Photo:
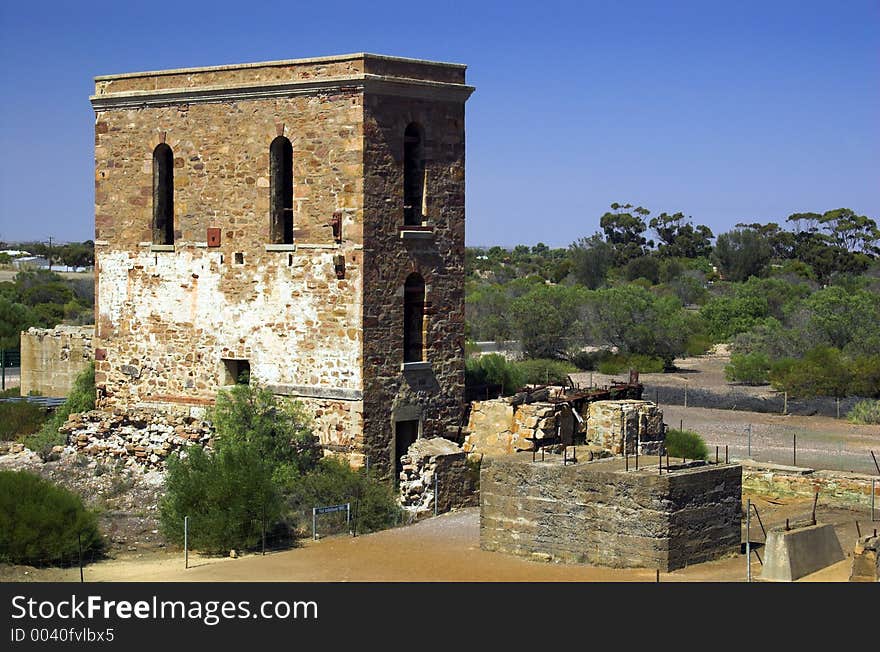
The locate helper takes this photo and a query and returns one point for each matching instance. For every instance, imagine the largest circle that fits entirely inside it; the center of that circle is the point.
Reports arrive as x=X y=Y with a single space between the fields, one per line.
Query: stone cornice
x=367 y=83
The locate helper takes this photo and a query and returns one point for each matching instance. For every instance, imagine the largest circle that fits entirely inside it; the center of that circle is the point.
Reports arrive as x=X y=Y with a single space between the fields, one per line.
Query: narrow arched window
x=413 y=318
x=413 y=174
x=163 y=195
x=281 y=191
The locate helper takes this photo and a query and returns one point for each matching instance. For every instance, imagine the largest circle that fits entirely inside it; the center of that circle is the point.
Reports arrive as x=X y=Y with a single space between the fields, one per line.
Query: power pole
x=50 y=253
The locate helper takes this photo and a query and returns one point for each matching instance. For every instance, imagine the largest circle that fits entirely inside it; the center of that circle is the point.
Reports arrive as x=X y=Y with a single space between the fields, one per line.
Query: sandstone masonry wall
x=599 y=514
x=319 y=320
x=435 y=394
x=52 y=358
x=836 y=488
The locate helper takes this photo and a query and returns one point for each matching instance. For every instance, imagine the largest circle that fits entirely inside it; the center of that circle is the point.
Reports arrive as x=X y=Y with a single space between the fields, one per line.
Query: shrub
x=228 y=496
x=333 y=482
x=621 y=363
x=542 y=371
x=686 y=444
x=748 y=368
x=80 y=399
x=590 y=360
x=698 y=344
x=279 y=430
x=494 y=369
x=40 y=521
x=19 y=419
x=867 y=412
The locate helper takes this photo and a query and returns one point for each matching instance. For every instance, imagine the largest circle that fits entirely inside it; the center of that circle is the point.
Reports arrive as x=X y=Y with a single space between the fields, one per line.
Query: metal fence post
x=314 y=524
x=348 y=517
x=79 y=541
x=185 y=542
x=436 y=491
x=748 y=540
x=3 y=367
x=873 y=492
x=750 y=441
x=794 y=451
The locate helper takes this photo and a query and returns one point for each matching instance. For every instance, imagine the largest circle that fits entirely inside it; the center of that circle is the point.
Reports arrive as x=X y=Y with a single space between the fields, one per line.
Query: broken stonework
x=144 y=438
x=439 y=458
x=499 y=427
x=639 y=423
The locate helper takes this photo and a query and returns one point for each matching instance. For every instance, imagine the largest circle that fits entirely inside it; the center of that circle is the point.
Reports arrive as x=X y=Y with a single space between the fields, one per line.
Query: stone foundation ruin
x=437 y=471
x=600 y=513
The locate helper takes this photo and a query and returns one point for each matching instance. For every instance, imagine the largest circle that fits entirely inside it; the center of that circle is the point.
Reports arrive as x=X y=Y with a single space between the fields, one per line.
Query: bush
x=698 y=345
x=40 y=521
x=590 y=360
x=686 y=444
x=622 y=363
x=748 y=368
x=541 y=371
x=80 y=399
x=333 y=482
x=867 y=412
x=19 y=419
x=228 y=496
x=279 y=430
x=494 y=369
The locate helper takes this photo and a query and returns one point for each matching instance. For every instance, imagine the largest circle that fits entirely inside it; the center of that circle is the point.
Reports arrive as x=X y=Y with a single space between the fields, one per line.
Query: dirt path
x=445 y=548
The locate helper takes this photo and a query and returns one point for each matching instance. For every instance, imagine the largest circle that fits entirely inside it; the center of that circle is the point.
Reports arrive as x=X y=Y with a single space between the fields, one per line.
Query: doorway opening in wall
x=405 y=433
x=236 y=372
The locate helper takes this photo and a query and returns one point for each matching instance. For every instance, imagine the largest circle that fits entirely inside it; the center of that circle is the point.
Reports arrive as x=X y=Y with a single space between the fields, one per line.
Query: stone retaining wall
x=600 y=514
x=836 y=488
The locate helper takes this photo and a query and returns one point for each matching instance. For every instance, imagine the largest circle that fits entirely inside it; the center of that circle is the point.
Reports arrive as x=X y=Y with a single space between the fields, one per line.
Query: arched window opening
x=281 y=191
x=163 y=195
x=413 y=174
x=413 y=319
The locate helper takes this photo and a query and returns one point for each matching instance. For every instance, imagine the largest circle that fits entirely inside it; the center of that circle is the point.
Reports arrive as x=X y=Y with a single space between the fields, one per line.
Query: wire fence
x=733 y=399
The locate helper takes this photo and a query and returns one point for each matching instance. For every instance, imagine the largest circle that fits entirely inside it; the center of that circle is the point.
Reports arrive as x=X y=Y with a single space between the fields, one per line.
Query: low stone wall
x=144 y=438
x=52 y=358
x=598 y=513
x=498 y=427
x=456 y=482
x=836 y=488
x=640 y=423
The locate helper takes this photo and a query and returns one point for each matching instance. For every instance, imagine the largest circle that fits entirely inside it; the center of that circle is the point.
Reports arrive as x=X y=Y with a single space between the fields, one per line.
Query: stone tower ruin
x=296 y=224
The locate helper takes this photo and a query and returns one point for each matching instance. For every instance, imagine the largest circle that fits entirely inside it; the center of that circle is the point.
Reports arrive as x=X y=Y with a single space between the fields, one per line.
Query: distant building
x=31 y=262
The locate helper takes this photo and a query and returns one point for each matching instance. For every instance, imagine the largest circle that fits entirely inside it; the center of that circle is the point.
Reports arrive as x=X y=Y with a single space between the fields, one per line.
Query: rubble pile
x=443 y=460
x=144 y=438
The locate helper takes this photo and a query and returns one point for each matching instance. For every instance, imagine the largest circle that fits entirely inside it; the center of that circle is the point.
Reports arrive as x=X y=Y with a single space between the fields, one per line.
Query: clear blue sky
x=727 y=111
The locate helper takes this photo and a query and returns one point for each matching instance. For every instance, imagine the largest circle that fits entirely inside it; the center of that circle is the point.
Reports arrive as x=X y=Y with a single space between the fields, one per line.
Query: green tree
x=278 y=430
x=591 y=258
x=624 y=227
x=543 y=320
x=748 y=368
x=229 y=497
x=679 y=238
x=636 y=321
x=728 y=315
x=741 y=253
x=823 y=371
x=14 y=318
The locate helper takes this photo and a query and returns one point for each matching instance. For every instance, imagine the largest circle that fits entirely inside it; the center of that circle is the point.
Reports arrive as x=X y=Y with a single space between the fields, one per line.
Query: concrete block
x=866 y=560
x=792 y=554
